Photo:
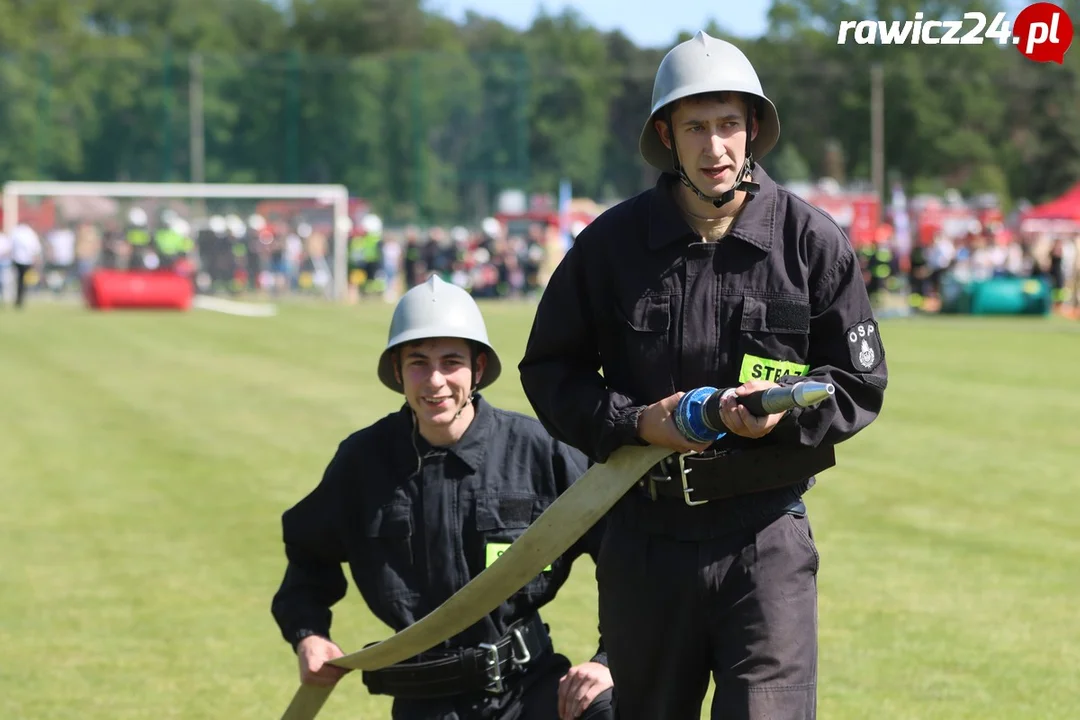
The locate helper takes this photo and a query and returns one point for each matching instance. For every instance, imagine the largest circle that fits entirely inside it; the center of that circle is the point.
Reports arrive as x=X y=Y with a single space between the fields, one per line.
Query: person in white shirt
x=25 y=251
x=5 y=264
x=59 y=257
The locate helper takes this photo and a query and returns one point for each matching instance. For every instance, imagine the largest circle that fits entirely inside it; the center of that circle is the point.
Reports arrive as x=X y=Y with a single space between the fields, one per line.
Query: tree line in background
x=429 y=118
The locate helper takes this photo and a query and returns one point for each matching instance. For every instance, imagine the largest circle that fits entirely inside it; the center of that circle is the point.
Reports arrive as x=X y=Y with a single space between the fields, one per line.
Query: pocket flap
x=651 y=313
x=503 y=511
x=777 y=315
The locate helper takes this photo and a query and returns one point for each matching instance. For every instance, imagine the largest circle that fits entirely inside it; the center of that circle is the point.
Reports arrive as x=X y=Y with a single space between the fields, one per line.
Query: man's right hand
x=313 y=654
x=656 y=426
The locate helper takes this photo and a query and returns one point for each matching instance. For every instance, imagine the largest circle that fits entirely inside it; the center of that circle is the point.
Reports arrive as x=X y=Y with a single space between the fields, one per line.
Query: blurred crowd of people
x=292 y=253
x=273 y=255
x=487 y=261
x=977 y=255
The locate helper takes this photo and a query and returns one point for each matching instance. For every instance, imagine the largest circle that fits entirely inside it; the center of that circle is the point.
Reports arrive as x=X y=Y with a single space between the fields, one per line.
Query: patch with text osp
x=864 y=343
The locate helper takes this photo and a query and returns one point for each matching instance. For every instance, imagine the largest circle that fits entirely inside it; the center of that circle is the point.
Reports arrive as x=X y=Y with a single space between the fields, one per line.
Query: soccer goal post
x=283 y=239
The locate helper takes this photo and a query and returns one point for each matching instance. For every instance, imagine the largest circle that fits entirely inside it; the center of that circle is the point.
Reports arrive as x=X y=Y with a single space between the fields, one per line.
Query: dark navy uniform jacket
x=414 y=523
x=640 y=308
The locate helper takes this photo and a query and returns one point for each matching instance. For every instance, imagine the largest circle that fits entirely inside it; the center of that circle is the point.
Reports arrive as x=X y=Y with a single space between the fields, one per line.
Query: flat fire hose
x=562 y=524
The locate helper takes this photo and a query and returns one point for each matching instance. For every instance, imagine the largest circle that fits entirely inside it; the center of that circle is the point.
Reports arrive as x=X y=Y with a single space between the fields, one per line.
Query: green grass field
x=145 y=460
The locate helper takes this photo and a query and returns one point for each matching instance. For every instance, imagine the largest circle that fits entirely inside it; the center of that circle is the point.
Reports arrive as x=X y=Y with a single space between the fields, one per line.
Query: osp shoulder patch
x=864 y=343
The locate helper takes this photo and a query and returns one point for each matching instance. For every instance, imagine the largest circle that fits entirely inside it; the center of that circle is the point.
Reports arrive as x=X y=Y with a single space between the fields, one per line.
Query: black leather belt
x=697 y=479
x=483 y=668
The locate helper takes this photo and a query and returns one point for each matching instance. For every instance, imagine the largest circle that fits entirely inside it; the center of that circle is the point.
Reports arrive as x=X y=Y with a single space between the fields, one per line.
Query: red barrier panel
x=113 y=289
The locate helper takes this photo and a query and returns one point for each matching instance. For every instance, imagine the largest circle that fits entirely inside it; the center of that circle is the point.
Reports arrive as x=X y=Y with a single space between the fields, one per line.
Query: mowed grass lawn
x=145 y=460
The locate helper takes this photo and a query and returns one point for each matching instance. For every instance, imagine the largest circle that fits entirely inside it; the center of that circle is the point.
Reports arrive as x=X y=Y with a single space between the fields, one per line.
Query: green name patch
x=759 y=368
x=494 y=550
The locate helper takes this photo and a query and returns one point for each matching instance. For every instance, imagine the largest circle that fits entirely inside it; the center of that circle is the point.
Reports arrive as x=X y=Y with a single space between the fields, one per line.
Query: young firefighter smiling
x=712 y=277
x=420 y=503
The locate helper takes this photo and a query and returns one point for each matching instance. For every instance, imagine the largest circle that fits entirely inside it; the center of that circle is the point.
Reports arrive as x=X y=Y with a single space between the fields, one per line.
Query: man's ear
x=395 y=362
x=479 y=366
x=755 y=106
x=663 y=131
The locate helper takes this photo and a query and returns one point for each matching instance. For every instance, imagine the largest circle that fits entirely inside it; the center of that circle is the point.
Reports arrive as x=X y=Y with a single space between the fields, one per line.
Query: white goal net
x=232 y=240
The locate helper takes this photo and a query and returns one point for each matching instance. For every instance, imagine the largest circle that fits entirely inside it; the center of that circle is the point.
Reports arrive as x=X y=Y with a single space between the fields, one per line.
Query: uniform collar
x=470 y=448
x=755 y=224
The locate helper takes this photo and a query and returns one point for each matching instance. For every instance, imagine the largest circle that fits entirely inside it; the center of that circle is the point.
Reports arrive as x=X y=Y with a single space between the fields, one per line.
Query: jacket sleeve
x=314 y=579
x=846 y=350
x=560 y=370
x=569 y=465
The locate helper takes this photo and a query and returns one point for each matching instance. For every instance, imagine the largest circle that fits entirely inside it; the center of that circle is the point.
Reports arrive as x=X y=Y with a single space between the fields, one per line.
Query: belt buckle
x=491 y=669
x=687 y=490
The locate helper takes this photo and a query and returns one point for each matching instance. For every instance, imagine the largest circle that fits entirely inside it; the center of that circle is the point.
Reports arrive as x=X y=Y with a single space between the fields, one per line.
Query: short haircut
x=747 y=101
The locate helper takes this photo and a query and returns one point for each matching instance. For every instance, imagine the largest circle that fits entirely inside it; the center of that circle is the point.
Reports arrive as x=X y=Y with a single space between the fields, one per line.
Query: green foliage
x=789 y=165
x=430 y=119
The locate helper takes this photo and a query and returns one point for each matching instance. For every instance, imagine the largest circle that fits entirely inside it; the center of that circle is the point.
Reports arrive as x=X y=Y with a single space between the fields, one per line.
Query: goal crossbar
x=338 y=195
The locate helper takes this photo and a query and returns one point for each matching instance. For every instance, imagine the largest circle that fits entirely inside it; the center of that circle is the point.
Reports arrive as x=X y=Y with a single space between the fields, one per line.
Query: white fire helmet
x=491 y=227
x=372 y=224
x=236 y=226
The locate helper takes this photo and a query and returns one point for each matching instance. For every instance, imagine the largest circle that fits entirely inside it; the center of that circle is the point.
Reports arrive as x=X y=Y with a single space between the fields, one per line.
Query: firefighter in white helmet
x=365 y=257
x=138 y=239
x=716 y=278
x=420 y=503
x=372 y=224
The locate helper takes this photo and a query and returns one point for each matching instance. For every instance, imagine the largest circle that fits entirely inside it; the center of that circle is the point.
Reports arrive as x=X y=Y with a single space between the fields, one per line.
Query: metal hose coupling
x=698 y=415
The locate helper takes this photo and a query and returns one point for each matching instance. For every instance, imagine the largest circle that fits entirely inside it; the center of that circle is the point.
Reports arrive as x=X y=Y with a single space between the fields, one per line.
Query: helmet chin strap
x=475 y=381
x=468 y=401
x=743 y=180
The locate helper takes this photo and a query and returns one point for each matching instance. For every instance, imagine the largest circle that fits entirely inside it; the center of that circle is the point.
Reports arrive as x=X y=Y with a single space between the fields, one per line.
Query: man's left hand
x=579 y=687
x=739 y=420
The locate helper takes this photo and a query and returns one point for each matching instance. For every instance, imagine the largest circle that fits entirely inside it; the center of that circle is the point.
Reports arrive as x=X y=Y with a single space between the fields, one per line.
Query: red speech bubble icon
x=1043 y=32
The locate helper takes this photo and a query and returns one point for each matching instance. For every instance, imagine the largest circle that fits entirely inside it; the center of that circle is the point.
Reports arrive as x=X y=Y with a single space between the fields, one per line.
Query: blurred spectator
x=1056 y=271
x=59 y=258
x=5 y=264
x=88 y=248
x=25 y=253
x=391 y=265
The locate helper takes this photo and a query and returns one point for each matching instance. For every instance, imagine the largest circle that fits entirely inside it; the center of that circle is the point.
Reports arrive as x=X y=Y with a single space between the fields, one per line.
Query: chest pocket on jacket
x=774 y=338
x=388 y=557
x=645 y=332
x=500 y=520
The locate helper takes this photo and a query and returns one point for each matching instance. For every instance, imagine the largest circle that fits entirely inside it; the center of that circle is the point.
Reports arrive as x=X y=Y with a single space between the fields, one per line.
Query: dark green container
x=996 y=296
